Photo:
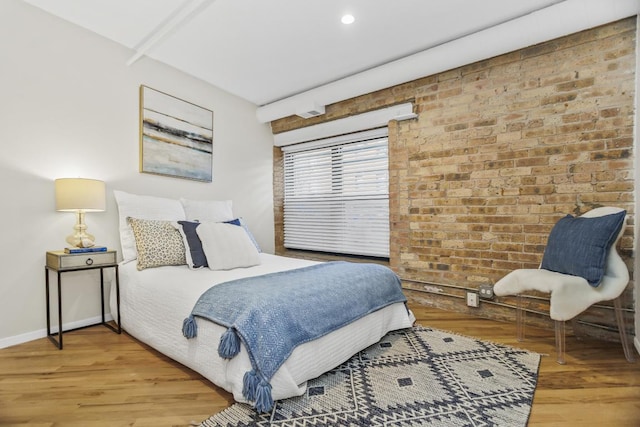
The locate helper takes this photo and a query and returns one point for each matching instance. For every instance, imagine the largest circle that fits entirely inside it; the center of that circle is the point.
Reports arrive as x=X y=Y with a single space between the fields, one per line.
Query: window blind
x=336 y=194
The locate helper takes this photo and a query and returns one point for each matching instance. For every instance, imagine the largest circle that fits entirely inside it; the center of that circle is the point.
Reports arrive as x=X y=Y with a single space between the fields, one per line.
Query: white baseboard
x=636 y=344
x=42 y=333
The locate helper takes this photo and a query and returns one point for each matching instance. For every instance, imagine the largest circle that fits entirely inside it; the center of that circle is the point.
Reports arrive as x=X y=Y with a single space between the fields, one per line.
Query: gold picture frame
x=176 y=137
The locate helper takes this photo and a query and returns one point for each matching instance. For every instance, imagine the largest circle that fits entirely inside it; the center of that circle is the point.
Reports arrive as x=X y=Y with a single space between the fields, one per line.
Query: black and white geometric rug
x=412 y=377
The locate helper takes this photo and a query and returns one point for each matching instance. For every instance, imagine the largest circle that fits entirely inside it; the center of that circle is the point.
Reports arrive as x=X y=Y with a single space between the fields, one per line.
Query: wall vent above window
x=308 y=111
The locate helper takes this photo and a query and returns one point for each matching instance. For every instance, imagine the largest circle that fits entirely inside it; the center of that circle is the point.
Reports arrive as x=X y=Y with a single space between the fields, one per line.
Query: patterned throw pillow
x=158 y=243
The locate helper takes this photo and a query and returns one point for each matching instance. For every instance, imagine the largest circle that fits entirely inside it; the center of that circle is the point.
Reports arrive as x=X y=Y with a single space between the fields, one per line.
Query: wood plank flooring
x=105 y=379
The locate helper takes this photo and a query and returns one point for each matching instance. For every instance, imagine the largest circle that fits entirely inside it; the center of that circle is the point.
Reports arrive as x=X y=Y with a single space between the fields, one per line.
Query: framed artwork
x=176 y=137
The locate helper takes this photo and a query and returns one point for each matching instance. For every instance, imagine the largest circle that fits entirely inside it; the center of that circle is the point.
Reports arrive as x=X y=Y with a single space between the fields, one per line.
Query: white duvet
x=155 y=301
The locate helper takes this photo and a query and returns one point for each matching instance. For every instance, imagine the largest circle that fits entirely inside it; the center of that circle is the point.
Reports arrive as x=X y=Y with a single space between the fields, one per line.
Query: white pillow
x=142 y=207
x=227 y=246
x=207 y=210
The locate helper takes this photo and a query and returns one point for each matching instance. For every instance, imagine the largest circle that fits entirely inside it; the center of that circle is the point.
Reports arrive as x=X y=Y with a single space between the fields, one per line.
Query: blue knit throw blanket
x=274 y=313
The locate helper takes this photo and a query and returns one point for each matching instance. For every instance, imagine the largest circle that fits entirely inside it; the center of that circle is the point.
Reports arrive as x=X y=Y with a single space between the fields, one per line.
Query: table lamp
x=80 y=195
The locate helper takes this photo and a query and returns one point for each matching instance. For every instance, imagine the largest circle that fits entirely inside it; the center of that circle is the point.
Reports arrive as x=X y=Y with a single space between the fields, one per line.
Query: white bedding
x=154 y=302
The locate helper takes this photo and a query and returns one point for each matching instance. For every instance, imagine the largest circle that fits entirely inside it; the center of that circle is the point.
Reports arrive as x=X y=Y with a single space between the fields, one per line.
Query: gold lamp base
x=80 y=238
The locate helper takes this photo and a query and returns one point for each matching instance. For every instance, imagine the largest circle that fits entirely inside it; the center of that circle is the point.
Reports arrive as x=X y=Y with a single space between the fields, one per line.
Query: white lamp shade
x=80 y=194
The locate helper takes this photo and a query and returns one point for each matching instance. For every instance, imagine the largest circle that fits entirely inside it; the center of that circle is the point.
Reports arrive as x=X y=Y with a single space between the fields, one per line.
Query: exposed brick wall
x=502 y=149
x=278 y=200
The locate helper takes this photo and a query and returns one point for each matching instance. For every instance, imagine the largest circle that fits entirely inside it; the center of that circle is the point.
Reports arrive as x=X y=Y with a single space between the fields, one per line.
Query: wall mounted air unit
x=310 y=110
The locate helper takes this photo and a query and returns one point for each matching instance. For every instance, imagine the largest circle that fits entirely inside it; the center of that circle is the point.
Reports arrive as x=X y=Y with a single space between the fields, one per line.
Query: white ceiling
x=267 y=51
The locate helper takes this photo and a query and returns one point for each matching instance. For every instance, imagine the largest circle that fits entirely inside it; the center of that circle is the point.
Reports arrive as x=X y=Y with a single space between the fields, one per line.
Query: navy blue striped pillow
x=198 y=257
x=579 y=246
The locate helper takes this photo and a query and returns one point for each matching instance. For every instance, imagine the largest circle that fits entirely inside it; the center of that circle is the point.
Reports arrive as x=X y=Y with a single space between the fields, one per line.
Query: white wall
x=69 y=107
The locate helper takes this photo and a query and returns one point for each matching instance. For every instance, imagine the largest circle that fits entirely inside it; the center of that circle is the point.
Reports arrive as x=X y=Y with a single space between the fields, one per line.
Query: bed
x=154 y=302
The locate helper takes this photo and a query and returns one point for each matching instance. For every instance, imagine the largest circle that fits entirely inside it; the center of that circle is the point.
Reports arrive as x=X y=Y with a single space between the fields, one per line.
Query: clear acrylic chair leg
x=626 y=346
x=577 y=328
x=520 y=318
x=560 y=341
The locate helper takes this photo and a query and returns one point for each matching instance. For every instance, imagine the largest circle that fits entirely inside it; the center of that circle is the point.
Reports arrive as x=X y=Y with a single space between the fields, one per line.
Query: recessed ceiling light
x=348 y=19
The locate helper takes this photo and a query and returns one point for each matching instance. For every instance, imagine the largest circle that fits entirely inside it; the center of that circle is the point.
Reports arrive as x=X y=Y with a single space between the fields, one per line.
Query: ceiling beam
x=179 y=17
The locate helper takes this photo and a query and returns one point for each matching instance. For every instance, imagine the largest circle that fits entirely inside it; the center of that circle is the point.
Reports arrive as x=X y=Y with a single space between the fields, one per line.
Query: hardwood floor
x=105 y=379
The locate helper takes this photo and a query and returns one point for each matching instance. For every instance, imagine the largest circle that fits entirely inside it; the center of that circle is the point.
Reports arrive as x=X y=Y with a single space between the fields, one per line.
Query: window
x=336 y=195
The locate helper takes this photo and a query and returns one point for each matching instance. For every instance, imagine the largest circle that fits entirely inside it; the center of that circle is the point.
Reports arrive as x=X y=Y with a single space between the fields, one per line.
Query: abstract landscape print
x=176 y=137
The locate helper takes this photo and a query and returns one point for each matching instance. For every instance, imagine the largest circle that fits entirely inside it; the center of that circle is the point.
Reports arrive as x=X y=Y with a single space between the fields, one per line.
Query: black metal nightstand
x=62 y=262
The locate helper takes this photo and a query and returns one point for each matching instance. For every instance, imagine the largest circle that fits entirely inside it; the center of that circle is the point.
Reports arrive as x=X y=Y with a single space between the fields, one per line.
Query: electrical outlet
x=472 y=299
x=486 y=291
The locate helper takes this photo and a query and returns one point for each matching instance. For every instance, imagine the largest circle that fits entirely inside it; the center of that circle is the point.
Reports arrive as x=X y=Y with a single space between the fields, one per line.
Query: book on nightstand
x=85 y=250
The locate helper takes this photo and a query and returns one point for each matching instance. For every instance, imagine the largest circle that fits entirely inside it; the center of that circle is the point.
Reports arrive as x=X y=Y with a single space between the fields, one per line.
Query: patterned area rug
x=412 y=377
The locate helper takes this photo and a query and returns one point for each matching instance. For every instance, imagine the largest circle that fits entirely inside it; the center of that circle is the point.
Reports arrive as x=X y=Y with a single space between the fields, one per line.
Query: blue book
x=85 y=250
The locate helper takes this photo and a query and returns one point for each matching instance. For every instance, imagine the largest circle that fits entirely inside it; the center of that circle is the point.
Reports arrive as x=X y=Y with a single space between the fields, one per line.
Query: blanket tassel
x=190 y=327
x=264 y=401
x=229 y=344
x=250 y=383
x=256 y=390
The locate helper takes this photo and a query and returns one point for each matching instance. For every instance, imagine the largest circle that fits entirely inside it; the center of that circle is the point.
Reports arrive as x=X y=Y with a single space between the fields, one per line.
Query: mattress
x=155 y=301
